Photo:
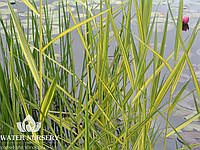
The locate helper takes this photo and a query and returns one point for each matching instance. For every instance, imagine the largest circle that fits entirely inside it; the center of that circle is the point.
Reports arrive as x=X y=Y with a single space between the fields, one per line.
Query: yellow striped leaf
x=24 y=46
x=47 y=100
x=28 y=4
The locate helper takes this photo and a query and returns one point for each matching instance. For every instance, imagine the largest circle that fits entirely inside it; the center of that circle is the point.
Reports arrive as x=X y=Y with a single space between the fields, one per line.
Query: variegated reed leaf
x=24 y=46
x=28 y=4
x=122 y=48
x=187 y=58
x=177 y=68
x=179 y=30
x=183 y=125
x=47 y=100
x=17 y=85
x=73 y=28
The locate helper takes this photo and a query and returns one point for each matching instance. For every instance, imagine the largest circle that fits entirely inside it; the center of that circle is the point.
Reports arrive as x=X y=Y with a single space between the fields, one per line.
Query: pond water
x=191 y=9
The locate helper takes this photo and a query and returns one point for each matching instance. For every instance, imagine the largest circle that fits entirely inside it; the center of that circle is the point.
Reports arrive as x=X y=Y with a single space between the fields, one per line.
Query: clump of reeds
x=105 y=105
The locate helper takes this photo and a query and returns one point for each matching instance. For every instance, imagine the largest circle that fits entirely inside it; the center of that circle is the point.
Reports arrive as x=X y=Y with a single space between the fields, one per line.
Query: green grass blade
x=186 y=55
x=28 y=4
x=24 y=46
x=17 y=85
x=177 y=68
x=47 y=100
x=160 y=57
x=178 y=30
x=185 y=124
x=122 y=48
x=177 y=98
x=73 y=28
x=147 y=83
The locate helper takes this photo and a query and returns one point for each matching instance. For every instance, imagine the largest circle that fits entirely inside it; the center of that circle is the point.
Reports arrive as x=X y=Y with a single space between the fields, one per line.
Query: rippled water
x=191 y=9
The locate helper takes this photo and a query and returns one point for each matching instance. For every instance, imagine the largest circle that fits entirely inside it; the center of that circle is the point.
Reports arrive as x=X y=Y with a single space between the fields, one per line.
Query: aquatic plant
x=109 y=103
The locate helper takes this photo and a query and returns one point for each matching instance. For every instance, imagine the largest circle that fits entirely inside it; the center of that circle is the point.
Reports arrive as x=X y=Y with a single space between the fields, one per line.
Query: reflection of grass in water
x=110 y=105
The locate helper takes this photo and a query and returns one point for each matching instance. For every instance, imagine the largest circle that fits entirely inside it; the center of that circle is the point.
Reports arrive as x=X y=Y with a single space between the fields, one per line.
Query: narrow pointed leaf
x=28 y=4
x=24 y=46
x=47 y=100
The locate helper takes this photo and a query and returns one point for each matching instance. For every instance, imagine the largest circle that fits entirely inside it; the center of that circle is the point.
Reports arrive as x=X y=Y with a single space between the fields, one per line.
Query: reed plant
x=108 y=104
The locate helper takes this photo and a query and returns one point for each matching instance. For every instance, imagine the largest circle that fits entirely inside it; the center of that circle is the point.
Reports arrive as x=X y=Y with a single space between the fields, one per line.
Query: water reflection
x=191 y=9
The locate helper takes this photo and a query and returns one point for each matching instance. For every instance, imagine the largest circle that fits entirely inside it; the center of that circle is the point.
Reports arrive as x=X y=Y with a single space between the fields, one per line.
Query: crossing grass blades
x=106 y=105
